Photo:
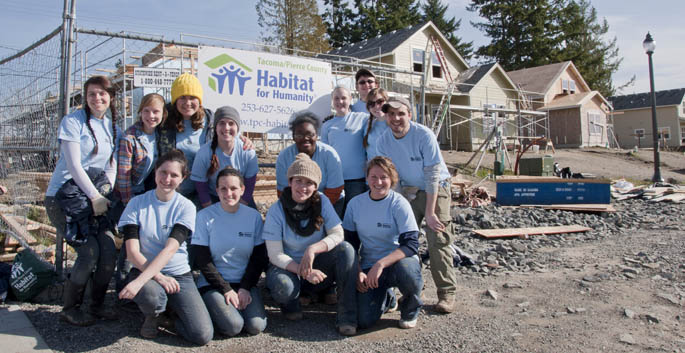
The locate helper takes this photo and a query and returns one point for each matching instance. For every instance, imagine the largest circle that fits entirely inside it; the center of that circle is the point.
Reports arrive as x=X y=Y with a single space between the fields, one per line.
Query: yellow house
x=577 y=114
x=633 y=118
x=479 y=88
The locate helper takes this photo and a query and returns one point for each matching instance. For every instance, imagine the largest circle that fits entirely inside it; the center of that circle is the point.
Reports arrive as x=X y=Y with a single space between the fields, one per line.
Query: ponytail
x=214 y=164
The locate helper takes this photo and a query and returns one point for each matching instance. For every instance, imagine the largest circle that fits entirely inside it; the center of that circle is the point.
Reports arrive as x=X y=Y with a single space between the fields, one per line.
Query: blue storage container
x=513 y=191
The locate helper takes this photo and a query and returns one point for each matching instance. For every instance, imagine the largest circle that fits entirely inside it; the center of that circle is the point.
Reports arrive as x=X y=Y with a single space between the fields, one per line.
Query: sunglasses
x=378 y=102
x=370 y=82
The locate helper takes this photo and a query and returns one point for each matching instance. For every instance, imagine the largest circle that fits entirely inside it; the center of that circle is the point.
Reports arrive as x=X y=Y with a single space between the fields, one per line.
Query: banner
x=265 y=88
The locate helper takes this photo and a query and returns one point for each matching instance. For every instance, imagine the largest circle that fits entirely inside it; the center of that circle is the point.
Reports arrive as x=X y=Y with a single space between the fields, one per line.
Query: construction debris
x=623 y=190
x=524 y=232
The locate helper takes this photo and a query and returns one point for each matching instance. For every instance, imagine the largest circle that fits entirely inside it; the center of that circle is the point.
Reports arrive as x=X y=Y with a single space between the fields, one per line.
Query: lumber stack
x=21 y=232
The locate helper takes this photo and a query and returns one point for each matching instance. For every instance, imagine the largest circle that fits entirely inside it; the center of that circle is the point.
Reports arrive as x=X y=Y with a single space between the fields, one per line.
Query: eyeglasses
x=370 y=82
x=304 y=136
x=378 y=102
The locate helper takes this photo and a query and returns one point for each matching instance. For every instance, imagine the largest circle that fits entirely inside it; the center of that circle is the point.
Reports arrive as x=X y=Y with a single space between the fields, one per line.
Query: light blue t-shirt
x=359 y=106
x=324 y=156
x=73 y=128
x=230 y=237
x=379 y=224
x=346 y=135
x=378 y=128
x=189 y=141
x=294 y=245
x=149 y=142
x=417 y=149
x=156 y=219
x=244 y=161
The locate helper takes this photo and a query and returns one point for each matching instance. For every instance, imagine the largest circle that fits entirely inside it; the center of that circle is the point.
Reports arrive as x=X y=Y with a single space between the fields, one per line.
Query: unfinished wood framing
x=518 y=232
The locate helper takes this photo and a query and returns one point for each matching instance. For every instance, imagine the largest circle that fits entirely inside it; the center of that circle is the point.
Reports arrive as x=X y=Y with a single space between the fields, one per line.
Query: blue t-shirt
x=359 y=106
x=294 y=245
x=346 y=135
x=156 y=219
x=189 y=141
x=73 y=128
x=417 y=149
x=324 y=156
x=230 y=237
x=379 y=224
x=378 y=128
x=244 y=161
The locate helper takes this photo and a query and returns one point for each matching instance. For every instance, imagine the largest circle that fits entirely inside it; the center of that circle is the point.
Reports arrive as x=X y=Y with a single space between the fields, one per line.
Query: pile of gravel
x=496 y=256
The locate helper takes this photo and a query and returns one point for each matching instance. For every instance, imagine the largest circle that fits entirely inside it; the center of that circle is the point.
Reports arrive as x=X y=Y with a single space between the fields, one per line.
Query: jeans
x=339 y=266
x=98 y=253
x=194 y=322
x=352 y=189
x=123 y=268
x=230 y=321
x=405 y=275
x=439 y=243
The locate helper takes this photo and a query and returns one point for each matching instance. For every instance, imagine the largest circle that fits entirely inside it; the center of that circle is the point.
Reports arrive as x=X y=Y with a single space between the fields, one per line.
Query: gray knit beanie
x=303 y=166
x=226 y=112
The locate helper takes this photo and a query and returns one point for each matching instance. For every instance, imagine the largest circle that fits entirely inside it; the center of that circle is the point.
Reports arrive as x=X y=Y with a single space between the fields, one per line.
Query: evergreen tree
x=293 y=24
x=340 y=21
x=523 y=33
x=434 y=10
x=582 y=42
x=376 y=17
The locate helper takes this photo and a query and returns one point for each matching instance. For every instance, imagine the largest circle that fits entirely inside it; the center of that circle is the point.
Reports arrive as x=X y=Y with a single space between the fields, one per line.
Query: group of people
x=345 y=224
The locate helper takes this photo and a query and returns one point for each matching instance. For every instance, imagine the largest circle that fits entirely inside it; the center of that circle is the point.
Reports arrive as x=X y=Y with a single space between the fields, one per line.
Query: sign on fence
x=154 y=77
x=265 y=88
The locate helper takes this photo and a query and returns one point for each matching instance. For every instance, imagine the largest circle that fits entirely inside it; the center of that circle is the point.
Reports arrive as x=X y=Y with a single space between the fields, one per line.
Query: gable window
x=568 y=86
x=665 y=133
x=417 y=56
x=435 y=65
x=594 y=123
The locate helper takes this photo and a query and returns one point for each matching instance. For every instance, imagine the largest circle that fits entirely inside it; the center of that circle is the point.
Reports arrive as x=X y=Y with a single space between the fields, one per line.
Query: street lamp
x=649 y=46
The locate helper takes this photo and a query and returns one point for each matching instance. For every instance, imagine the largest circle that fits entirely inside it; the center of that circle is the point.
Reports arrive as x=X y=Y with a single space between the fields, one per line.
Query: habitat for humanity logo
x=227 y=70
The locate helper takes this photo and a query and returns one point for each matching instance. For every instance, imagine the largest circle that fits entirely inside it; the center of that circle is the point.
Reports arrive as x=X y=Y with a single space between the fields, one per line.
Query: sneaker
x=294 y=316
x=103 y=312
x=149 y=328
x=406 y=324
x=446 y=305
x=347 y=330
x=76 y=317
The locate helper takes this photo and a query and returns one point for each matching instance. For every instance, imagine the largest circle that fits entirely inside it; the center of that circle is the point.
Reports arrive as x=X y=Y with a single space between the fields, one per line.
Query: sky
x=23 y=22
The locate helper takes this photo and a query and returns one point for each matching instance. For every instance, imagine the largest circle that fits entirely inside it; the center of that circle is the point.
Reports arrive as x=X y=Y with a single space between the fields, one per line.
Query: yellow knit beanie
x=186 y=85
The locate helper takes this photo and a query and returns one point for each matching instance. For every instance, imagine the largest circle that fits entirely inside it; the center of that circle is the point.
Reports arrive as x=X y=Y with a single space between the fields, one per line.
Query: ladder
x=444 y=107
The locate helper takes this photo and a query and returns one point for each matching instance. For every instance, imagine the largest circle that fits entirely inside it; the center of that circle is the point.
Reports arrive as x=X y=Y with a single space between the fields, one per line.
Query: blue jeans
x=405 y=275
x=230 y=321
x=194 y=323
x=352 y=189
x=339 y=266
x=95 y=259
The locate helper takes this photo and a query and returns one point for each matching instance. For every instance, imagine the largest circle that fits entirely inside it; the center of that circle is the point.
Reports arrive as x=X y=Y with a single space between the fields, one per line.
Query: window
x=488 y=119
x=572 y=86
x=639 y=133
x=417 y=56
x=665 y=133
x=595 y=125
x=568 y=86
x=435 y=65
x=682 y=135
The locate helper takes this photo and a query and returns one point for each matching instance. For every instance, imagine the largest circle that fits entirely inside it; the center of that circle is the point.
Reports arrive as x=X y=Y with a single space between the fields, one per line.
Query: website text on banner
x=265 y=88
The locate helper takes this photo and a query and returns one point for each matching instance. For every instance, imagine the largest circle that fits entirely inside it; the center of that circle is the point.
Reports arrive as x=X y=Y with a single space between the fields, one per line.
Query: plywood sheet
x=517 y=232
x=575 y=207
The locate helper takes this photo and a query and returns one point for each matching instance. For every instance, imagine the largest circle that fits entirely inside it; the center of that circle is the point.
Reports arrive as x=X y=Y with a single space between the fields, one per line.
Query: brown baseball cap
x=396 y=102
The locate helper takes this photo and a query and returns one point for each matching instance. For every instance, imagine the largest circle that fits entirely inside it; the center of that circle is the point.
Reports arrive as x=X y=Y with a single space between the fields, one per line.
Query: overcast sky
x=25 y=21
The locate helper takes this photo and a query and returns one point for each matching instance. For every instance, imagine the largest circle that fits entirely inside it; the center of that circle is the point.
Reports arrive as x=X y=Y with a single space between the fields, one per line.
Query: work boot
x=446 y=303
x=71 y=312
x=103 y=312
x=149 y=328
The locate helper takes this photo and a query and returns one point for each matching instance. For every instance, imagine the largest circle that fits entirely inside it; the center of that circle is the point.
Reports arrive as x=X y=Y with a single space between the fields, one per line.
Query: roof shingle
x=643 y=100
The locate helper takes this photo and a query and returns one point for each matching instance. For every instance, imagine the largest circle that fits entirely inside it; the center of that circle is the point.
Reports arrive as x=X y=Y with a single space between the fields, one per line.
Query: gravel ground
x=617 y=288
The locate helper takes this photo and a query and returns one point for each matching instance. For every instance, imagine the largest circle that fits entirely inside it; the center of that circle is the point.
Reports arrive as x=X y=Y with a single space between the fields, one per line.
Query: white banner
x=265 y=88
x=154 y=77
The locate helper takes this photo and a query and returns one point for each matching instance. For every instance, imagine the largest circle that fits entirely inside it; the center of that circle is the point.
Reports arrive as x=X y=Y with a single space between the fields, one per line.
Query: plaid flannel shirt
x=131 y=161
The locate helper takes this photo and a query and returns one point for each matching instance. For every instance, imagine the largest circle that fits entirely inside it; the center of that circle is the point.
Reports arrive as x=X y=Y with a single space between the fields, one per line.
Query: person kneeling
x=231 y=255
x=304 y=239
x=382 y=222
x=156 y=225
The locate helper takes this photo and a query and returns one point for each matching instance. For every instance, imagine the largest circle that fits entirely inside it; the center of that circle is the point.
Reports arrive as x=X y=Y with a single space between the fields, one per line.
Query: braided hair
x=214 y=164
x=106 y=84
x=375 y=92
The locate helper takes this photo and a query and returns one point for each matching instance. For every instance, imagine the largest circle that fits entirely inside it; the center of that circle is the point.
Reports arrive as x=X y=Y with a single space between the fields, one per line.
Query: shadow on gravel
x=679 y=171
